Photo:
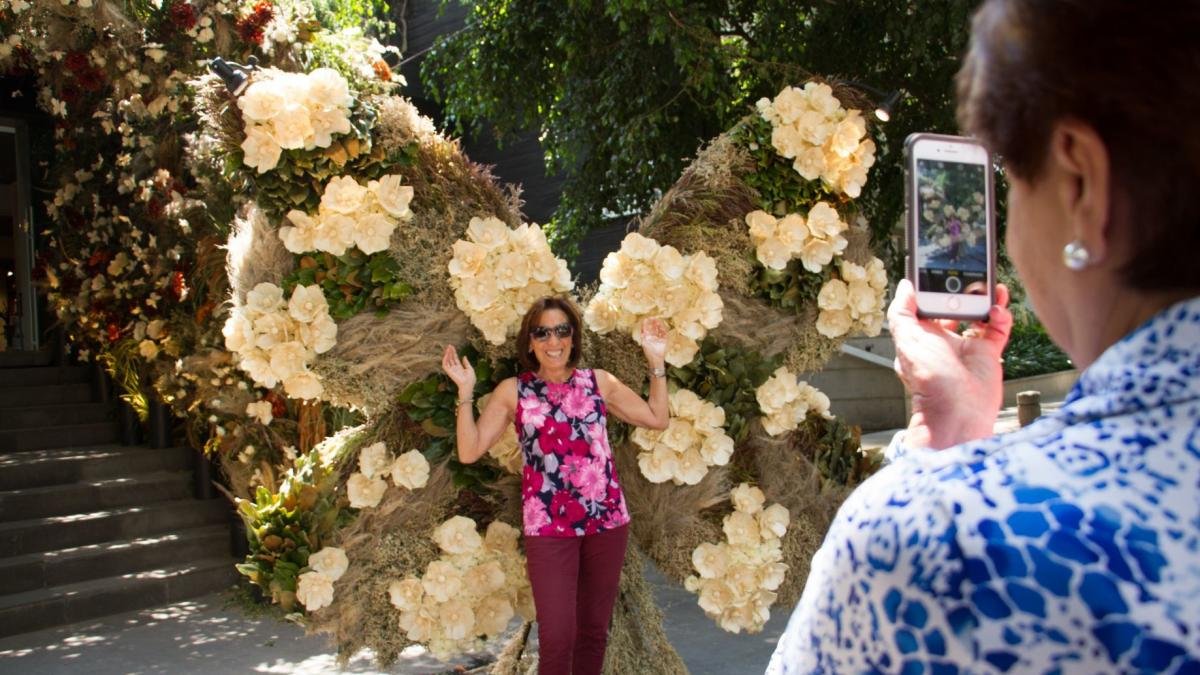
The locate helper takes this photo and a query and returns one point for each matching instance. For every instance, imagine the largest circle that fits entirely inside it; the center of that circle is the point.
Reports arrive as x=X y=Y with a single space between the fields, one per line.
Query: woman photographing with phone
x=1073 y=544
x=575 y=518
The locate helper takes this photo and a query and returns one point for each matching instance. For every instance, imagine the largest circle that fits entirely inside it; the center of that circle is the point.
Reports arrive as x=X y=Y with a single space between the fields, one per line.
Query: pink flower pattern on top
x=569 y=483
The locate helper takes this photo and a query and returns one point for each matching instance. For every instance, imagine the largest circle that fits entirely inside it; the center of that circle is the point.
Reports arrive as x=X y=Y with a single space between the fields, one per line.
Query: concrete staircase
x=89 y=527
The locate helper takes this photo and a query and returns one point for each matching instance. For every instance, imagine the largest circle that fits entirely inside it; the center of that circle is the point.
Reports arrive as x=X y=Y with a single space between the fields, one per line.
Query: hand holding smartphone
x=950 y=226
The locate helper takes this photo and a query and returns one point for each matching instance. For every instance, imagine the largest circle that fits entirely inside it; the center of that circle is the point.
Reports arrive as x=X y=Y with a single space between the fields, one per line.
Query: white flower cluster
x=645 y=279
x=315 y=589
x=291 y=111
x=853 y=302
x=785 y=402
x=277 y=340
x=693 y=441
x=473 y=590
x=824 y=140
x=147 y=333
x=497 y=273
x=366 y=486
x=738 y=577
x=350 y=215
x=815 y=240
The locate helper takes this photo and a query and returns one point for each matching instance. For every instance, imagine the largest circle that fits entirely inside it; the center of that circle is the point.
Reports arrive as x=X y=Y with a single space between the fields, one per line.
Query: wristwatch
x=658 y=372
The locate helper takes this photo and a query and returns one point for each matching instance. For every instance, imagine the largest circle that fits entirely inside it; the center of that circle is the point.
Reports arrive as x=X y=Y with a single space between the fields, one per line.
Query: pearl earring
x=1076 y=256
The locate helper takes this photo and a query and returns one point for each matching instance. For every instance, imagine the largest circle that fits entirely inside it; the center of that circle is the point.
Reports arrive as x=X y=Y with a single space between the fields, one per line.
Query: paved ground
x=210 y=635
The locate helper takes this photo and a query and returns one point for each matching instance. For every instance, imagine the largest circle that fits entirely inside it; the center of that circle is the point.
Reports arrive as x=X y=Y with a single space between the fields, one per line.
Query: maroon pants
x=574 y=583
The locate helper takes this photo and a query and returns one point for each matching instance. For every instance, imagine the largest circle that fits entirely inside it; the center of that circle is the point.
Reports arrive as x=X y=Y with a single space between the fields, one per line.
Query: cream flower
x=365 y=492
x=303 y=386
x=442 y=581
x=715 y=596
x=601 y=316
x=288 y=359
x=393 y=196
x=717 y=449
x=322 y=334
x=374 y=460
x=456 y=619
x=418 y=626
x=467 y=260
x=834 y=323
x=669 y=262
x=292 y=127
x=265 y=297
x=148 y=349
x=512 y=270
x=260 y=410
x=835 y=294
x=680 y=349
x=773 y=253
x=747 y=498
x=314 y=591
x=330 y=561
x=638 y=247
x=501 y=538
x=410 y=470
x=773 y=522
x=457 y=535
x=260 y=150
x=272 y=329
x=328 y=89
x=343 y=195
x=484 y=578
x=691 y=467
x=262 y=100
x=660 y=465
x=490 y=233
x=741 y=529
x=710 y=560
x=307 y=304
x=406 y=595
x=492 y=615
x=373 y=232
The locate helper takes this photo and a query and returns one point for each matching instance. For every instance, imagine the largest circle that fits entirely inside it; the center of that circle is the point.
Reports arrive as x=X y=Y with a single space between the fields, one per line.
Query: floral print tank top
x=569 y=484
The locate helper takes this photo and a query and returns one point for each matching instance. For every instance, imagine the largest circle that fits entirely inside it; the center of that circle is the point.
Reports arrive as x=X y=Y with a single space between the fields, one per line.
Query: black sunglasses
x=562 y=330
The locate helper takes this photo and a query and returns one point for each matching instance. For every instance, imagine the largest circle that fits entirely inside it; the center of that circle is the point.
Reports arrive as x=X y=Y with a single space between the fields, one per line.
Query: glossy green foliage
x=727 y=377
x=352 y=282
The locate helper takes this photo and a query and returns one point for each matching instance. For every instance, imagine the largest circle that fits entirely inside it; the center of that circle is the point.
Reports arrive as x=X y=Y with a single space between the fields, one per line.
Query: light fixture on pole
x=235 y=76
x=885 y=103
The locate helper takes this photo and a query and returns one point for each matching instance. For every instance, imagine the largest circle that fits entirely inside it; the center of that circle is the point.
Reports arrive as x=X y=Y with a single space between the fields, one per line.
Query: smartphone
x=950 y=226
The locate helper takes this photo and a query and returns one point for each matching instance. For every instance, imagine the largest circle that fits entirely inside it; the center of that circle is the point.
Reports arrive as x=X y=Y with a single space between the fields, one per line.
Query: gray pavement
x=212 y=635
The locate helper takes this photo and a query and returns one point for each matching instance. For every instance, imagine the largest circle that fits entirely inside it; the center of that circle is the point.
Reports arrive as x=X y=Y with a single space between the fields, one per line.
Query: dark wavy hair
x=1126 y=69
x=534 y=315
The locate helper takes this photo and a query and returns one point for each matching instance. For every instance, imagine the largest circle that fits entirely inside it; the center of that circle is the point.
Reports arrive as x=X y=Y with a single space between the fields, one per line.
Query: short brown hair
x=1126 y=69
x=534 y=315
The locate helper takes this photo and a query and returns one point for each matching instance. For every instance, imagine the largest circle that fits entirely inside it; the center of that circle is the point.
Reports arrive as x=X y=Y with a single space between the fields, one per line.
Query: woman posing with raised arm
x=575 y=515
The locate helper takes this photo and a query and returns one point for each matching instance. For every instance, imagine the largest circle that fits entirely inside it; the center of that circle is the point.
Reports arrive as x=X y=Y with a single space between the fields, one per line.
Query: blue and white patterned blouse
x=1072 y=545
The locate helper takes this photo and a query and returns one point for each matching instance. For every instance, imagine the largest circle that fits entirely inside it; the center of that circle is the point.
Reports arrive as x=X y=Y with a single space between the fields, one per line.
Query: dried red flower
x=183 y=16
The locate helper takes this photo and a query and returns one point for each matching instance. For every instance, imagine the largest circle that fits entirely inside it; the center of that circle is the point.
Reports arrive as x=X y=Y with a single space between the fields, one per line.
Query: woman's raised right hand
x=459 y=371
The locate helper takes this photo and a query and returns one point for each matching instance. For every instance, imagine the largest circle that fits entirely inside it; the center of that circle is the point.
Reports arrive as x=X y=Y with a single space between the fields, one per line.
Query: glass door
x=18 y=308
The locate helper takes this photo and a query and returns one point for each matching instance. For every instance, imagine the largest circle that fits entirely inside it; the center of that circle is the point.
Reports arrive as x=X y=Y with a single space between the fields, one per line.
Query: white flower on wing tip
x=314 y=591
x=330 y=561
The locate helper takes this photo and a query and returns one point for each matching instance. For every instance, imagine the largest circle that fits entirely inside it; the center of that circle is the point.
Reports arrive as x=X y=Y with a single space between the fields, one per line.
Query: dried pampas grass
x=255 y=253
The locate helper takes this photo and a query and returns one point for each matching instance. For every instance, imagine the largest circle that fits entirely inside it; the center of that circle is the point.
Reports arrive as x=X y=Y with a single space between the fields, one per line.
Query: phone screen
x=952 y=222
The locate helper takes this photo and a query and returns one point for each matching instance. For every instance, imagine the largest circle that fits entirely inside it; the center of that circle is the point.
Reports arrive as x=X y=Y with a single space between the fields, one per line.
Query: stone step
x=41 y=438
x=56 y=415
x=51 y=394
x=33 y=610
x=86 y=496
x=33 y=571
x=38 y=468
x=16 y=359
x=43 y=375
x=126 y=522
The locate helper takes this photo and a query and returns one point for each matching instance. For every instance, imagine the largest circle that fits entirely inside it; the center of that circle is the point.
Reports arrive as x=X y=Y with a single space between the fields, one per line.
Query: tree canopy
x=623 y=92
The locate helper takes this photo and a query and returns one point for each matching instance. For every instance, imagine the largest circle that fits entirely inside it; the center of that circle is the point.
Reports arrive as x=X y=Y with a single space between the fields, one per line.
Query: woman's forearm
x=466 y=431
x=658 y=401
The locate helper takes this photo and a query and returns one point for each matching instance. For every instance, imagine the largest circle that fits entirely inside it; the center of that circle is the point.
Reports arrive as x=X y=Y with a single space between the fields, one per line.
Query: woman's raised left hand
x=654 y=341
